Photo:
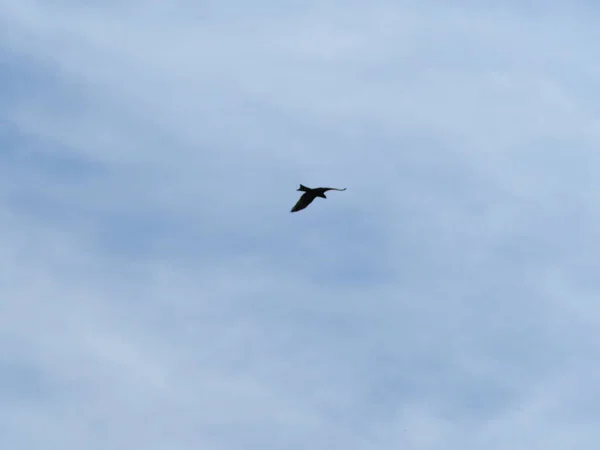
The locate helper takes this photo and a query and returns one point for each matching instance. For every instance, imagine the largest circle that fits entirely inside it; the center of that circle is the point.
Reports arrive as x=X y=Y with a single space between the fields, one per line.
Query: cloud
x=156 y=292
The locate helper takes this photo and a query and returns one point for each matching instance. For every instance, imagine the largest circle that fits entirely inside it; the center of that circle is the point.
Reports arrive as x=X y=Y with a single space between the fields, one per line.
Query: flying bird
x=310 y=194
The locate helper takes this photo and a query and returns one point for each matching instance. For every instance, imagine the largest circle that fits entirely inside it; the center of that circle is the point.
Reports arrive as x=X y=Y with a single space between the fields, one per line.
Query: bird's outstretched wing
x=333 y=189
x=305 y=200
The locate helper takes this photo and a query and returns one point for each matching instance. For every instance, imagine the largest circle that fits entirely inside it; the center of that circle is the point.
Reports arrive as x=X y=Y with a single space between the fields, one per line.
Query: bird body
x=310 y=194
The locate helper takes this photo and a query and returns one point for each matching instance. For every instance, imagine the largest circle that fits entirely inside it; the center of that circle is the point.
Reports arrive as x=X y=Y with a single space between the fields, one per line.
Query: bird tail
x=303 y=188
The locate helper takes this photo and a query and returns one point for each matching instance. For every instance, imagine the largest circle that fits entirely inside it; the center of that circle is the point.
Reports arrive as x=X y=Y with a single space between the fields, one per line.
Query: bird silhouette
x=310 y=194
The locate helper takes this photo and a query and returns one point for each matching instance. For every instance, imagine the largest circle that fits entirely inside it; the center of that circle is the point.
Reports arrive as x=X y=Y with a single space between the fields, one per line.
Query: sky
x=157 y=293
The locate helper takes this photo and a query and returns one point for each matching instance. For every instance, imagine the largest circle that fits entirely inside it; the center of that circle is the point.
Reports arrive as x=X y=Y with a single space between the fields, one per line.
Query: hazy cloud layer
x=156 y=293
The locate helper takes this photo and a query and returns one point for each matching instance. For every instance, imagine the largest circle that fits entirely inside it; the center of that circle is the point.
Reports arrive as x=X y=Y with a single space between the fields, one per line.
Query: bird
x=310 y=194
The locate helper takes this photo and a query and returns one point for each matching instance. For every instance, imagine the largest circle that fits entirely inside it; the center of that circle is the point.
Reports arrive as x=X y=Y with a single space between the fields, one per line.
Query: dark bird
x=310 y=194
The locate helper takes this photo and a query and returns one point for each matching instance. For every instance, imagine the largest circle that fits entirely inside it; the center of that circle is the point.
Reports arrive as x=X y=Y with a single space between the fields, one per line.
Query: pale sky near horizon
x=156 y=293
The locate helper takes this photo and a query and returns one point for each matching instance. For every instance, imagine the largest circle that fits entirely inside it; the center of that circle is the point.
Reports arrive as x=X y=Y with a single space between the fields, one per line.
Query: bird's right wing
x=303 y=202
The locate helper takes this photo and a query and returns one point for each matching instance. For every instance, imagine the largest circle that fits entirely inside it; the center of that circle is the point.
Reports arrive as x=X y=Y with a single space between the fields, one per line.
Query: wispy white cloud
x=156 y=292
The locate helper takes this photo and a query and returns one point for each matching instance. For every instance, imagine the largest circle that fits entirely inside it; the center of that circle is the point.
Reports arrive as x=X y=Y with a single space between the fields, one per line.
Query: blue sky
x=156 y=293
